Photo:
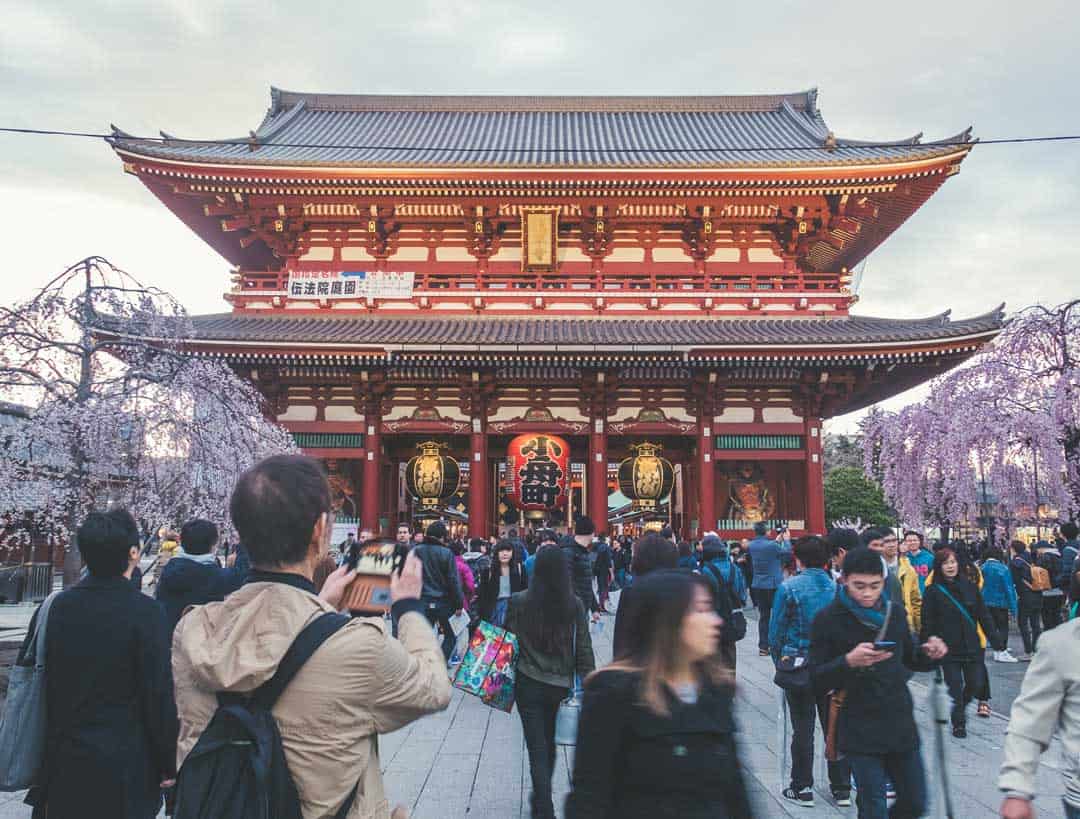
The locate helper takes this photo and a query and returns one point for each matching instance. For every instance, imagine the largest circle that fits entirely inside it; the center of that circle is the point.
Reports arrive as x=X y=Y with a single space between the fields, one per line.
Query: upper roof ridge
x=281 y=100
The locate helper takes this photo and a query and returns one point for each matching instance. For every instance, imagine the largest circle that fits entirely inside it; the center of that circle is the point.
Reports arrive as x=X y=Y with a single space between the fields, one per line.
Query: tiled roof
x=514 y=334
x=540 y=132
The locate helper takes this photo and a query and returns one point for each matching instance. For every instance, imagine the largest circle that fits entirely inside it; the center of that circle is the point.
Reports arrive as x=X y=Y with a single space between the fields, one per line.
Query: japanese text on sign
x=333 y=284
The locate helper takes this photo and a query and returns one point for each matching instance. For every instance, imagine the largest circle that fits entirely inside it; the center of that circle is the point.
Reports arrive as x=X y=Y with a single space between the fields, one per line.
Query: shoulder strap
x=306 y=643
x=954 y=601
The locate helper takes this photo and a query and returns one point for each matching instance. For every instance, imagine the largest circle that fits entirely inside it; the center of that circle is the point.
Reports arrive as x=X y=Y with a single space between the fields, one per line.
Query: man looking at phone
x=359 y=683
x=860 y=645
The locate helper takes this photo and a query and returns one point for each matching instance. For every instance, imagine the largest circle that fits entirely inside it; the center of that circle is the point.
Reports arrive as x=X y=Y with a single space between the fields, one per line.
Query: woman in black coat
x=111 y=726
x=656 y=736
x=953 y=609
x=505 y=577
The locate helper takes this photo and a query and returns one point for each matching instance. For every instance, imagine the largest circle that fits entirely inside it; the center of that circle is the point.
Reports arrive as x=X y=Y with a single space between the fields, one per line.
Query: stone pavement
x=470 y=760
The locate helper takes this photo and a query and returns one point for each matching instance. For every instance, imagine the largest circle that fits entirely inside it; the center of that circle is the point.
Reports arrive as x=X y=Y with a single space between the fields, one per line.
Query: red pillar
x=706 y=480
x=478 y=491
x=597 y=476
x=371 y=503
x=815 y=476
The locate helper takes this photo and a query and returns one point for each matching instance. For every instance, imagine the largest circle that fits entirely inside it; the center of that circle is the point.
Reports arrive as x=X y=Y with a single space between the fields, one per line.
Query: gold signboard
x=539 y=240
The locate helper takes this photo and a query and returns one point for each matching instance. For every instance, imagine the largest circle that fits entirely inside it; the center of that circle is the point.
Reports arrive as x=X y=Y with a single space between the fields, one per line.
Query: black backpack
x=237 y=769
x=727 y=604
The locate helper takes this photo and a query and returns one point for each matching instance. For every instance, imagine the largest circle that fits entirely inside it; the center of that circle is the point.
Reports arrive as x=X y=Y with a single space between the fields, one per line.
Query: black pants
x=1001 y=623
x=538 y=704
x=729 y=653
x=801 y=706
x=1030 y=625
x=1051 y=611
x=438 y=614
x=763 y=600
x=965 y=682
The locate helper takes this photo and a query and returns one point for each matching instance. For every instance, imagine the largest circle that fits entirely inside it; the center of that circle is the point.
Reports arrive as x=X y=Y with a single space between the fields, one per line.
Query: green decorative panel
x=759 y=442
x=329 y=440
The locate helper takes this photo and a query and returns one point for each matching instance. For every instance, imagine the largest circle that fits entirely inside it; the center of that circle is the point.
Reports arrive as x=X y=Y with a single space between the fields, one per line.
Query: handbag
x=489 y=667
x=566 y=719
x=23 y=727
x=792 y=673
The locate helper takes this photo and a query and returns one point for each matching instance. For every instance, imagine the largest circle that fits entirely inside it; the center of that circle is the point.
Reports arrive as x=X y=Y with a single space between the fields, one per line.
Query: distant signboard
x=335 y=284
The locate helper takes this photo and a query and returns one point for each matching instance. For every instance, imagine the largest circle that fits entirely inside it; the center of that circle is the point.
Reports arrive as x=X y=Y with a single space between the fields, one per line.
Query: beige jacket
x=360 y=683
x=1049 y=701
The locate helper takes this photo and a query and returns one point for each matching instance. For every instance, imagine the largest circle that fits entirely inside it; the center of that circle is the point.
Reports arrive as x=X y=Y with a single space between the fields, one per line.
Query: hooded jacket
x=189 y=580
x=360 y=683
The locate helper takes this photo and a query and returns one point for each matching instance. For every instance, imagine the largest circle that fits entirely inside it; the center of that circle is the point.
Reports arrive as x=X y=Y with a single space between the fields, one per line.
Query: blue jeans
x=904 y=770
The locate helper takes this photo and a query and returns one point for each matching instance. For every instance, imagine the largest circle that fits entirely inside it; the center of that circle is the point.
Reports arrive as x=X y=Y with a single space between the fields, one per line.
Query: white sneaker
x=1005 y=657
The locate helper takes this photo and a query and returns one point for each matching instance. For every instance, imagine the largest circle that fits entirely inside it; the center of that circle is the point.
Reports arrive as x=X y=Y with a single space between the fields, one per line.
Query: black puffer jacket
x=581 y=573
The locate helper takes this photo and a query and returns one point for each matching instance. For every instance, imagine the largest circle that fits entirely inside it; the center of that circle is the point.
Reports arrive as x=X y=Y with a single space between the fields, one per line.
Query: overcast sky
x=1004 y=230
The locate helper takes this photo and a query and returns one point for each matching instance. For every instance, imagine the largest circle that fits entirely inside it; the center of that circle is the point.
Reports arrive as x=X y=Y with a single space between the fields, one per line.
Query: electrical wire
x=254 y=143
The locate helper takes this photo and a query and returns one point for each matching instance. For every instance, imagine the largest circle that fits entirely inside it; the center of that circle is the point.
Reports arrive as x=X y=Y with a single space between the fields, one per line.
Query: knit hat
x=584 y=526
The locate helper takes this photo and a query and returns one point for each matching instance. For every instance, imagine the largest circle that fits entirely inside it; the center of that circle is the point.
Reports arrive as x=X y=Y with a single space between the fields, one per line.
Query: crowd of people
x=137 y=682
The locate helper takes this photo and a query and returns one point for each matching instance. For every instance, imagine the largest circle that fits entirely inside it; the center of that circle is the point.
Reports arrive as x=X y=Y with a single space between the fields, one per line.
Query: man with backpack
x=729 y=594
x=274 y=667
x=1030 y=598
x=1048 y=558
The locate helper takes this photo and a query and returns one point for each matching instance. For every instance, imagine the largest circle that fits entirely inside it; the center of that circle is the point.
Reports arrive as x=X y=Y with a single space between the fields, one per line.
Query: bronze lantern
x=431 y=477
x=646 y=478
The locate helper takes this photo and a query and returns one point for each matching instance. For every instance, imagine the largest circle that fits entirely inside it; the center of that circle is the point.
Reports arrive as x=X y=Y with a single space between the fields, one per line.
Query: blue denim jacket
x=998 y=590
x=797 y=603
x=767 y=558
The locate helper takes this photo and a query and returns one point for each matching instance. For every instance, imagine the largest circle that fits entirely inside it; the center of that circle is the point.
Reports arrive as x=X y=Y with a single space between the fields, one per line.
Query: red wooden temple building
x=611 y=270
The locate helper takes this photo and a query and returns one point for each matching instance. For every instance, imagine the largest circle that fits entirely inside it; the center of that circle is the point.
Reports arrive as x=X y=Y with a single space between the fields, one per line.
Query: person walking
x=505 y=578
x=603 y=571
x=919 y=557
x=1048 y=705
x=465 y=575
x=577 y=555
x=999 y=593
x=860 y=645
x=954 y=610
x=111 y=722
x=798 y=601
x=361 y=681
x=728 y=583
x=656 y=735
x=652 y=553
x=552 y=630
x=1053 y=599
x=442 y=595
x=767 y=557
x=193 y=576
x=1029 y=619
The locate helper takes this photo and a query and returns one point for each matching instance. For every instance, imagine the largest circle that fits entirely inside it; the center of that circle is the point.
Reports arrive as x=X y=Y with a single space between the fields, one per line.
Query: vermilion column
x=478 y=491
x=706 y=480
x=597 y=476
x=815 y=476
x=371 y=503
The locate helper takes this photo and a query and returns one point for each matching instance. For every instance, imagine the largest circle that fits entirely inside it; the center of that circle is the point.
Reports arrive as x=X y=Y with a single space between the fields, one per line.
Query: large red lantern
x=538 y=472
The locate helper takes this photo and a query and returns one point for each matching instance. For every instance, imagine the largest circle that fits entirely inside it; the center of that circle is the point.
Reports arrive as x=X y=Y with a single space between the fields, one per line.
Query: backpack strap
x=315 y=633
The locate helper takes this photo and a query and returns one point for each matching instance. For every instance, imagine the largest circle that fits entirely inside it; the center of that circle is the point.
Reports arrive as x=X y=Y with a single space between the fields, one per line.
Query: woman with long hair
x=553 y=637
x=505 y=577
x=954 y=610
x=656 y=736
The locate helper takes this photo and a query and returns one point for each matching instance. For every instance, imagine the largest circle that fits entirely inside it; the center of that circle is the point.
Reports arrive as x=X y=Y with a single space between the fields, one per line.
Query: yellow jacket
x=909 y=588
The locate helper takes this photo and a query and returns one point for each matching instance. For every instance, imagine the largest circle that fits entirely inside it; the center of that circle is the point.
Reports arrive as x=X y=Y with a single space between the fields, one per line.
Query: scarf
x=209 y=559
x=872 y=618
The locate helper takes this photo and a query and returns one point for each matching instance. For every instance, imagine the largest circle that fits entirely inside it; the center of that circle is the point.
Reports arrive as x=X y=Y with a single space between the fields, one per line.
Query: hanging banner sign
x=538 y=471
x=350 y=284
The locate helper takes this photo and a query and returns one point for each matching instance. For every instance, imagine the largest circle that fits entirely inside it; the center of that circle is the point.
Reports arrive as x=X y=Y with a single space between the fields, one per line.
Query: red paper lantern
x=538 y=472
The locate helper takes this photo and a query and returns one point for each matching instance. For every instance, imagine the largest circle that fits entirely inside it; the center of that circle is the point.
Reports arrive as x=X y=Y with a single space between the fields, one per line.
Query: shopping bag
x=22 y=730
x=487 y=670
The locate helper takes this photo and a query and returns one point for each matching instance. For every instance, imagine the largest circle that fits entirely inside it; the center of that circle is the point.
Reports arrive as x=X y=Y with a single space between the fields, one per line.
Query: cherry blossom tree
x=124 y=418
x=998 y=438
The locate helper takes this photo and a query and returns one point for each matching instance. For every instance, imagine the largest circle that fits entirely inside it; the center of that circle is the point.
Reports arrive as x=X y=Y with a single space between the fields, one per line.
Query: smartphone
x=374 y=562
x=884 y=645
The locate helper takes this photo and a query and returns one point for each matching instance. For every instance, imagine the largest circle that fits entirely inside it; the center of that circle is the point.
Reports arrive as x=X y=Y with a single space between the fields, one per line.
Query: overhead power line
x=255 y=144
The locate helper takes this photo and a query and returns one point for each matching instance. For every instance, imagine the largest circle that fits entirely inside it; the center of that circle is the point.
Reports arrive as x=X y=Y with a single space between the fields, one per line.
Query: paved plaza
x=470 y=760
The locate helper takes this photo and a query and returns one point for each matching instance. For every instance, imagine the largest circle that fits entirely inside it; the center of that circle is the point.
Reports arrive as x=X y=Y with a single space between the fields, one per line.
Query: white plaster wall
x=343 y=414
x=298 y=413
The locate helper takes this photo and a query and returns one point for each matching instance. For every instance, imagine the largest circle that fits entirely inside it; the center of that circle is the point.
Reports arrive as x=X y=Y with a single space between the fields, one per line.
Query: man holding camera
x=361 y=682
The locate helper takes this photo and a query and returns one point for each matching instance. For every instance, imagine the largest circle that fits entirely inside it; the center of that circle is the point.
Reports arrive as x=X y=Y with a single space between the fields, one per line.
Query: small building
x=611 y=270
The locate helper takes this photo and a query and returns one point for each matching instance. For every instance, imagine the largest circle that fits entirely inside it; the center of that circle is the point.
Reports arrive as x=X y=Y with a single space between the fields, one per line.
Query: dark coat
x=111 y=716
x=941 y=618
x=488 y=591
x=581 y=573
x=185 y=582
x=442 y=583
x=878 y=715
x=633 y=764
x=622 y=641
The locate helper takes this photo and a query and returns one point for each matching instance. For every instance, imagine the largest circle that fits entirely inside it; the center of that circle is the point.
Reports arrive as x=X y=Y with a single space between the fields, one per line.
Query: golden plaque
x=539 y=239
